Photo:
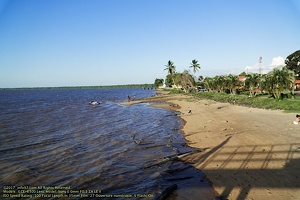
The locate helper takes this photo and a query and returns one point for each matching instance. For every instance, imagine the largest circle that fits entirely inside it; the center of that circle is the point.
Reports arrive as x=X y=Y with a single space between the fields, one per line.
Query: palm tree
x=209 y=83
x=289 y=79
x=195 y=66
x=232 y=83
x=252 y=81
x=220 y=83
x=280 y=79
x=170 y=67
x=171 y=71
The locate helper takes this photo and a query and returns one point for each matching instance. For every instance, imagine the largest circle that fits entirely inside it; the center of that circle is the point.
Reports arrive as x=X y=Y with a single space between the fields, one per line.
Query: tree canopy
x=158 y=82
x=278 y=80
x=293 y=62
x=185 y=80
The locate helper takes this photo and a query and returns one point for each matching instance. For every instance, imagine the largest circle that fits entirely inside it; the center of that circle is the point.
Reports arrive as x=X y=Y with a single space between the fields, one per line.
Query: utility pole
x=260 y=65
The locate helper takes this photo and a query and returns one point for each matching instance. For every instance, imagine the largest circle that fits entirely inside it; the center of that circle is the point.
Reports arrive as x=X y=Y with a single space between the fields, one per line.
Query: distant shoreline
x=146 y=85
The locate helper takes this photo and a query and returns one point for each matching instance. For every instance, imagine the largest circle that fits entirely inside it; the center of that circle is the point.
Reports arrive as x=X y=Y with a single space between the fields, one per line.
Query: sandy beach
x=249 y=153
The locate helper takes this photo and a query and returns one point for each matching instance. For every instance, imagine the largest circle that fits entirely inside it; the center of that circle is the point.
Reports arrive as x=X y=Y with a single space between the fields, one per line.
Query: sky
x=50 y=43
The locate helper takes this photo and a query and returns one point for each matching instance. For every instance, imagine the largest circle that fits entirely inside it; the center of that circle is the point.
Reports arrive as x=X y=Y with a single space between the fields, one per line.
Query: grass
x=260 y=101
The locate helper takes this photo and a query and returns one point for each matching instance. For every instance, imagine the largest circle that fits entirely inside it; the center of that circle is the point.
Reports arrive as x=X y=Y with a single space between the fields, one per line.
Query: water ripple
x=54 y=137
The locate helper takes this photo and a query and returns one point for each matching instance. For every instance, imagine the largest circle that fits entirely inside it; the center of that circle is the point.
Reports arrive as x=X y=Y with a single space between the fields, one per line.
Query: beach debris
x=173 y=105
x=192 y=133
x=167 y=192
x=190 y=111
x=139 y=141
x=220 y=107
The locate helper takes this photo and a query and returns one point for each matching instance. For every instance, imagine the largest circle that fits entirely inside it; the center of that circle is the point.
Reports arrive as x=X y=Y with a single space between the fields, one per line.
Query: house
x=242 y=79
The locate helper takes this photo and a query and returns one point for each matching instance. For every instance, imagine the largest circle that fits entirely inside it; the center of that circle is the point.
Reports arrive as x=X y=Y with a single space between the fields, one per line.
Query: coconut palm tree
x=195 y=66
x=280 y=79
x=209 y=83
x=171 y=68
x=220 y=83
x=232 y=83
x=252 y=81
x=289 y=78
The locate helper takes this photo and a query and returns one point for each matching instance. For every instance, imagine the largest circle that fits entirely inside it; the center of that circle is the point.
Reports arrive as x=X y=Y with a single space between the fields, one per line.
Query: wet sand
x=249 y=153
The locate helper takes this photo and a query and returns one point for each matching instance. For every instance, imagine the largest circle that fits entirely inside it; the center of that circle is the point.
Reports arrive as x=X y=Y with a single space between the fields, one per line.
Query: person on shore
x=128 y=98
x=297 y=120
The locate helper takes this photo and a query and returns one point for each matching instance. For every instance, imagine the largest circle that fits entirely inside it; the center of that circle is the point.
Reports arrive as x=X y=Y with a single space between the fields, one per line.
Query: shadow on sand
x=259 y=166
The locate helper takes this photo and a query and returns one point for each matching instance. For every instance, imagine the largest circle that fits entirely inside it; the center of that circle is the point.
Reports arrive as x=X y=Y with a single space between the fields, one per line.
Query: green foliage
x=200 y=84
x=243 y=74
x=185 y=80
x=171 y=68
x=228 y=83
x=252 y=81
x=278 y=84
x=262 y=101
x=158 y=82
x=293 y=62
x=232 y=82
x=274 y=83
x=278 y=80
x=169 y=80
x=176 y=91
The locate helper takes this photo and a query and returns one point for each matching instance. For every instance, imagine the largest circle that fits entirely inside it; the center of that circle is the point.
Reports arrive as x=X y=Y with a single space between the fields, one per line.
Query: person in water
x=128 y=98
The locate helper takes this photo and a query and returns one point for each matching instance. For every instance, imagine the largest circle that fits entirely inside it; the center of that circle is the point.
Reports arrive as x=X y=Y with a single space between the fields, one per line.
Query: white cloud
x=276 y=61
x=252 y=69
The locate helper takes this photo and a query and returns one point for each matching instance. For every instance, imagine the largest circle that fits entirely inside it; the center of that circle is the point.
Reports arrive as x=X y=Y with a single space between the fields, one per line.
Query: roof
x=297 y=81
x=242 y=78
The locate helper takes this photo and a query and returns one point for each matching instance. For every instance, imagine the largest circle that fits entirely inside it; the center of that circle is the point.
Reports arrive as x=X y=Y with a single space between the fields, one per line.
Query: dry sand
x=249 y=153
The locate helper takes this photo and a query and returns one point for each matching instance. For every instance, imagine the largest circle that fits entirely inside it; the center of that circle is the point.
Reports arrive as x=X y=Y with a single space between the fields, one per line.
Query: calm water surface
x=55 y=138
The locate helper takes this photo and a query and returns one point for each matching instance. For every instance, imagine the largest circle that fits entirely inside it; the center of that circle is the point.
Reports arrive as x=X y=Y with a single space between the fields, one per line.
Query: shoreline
x=249 y=153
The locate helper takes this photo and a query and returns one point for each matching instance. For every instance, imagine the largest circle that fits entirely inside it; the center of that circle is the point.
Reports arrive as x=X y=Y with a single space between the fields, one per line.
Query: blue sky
x=108 y=42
